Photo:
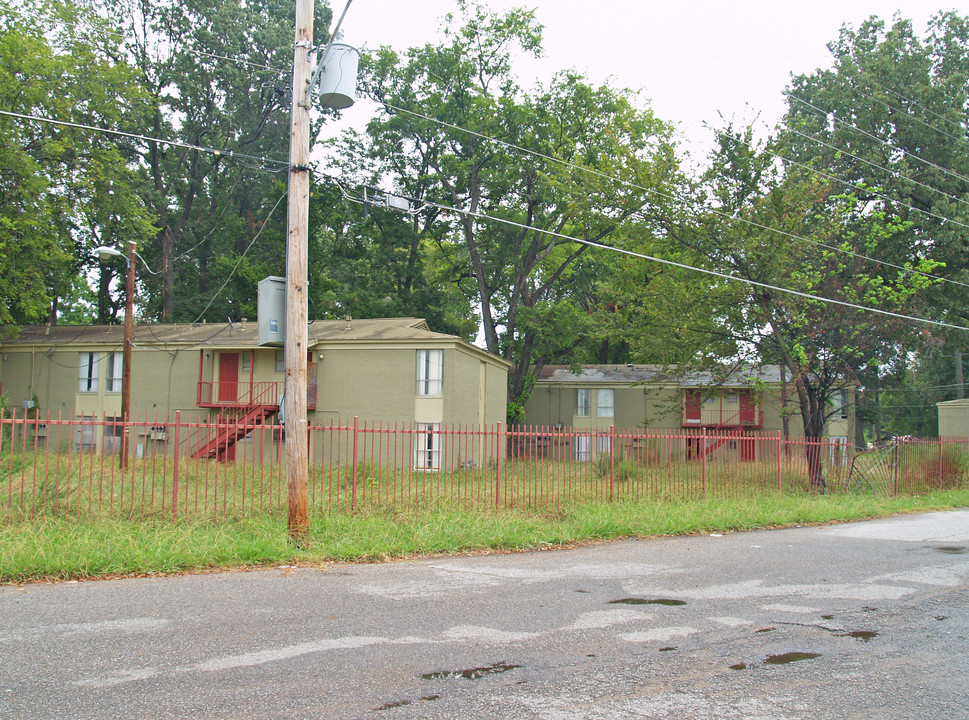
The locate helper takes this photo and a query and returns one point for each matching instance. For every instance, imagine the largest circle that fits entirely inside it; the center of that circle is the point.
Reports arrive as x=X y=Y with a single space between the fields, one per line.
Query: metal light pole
x=129 y=340
x=106 y=253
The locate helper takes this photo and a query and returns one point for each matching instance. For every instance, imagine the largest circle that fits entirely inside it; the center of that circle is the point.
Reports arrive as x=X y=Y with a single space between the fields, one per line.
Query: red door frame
x=748 y=409
x=692 y=407
x=228 y=377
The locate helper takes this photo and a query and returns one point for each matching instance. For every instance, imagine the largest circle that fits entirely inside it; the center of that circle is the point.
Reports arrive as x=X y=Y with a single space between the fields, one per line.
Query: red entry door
x=228 y=377
x=748 y=411
x=692 y=407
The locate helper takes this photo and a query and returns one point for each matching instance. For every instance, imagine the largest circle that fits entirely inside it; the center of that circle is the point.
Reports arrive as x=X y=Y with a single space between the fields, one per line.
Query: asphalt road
x=866 y=620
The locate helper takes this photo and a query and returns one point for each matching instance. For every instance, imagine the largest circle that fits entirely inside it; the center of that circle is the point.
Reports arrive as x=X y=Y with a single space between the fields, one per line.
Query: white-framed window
x=583 y=402
x=427 y=451
x=115 y=370
x=280 y=365
x=88 y=374
x=430 y=372
x=732 y=398
x=843 y=399
x=606 y=403
x=247 y=361
x=583 y=448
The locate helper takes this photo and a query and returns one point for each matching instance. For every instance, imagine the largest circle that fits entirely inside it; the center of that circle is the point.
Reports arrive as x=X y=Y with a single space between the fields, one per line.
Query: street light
x=106 y=253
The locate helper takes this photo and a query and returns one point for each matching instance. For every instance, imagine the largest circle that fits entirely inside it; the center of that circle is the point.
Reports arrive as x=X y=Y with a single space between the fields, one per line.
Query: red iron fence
x=232 y=465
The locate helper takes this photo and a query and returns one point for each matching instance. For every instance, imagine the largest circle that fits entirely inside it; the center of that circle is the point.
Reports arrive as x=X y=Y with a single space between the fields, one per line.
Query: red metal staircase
x=720 y=441
x=232 y=426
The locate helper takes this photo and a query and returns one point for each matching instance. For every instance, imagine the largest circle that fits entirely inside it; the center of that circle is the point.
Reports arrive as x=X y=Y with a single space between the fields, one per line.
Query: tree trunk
x=812 y=416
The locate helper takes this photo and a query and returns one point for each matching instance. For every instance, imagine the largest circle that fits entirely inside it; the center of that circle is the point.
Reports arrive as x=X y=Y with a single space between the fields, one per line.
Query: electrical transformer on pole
x=338 y=93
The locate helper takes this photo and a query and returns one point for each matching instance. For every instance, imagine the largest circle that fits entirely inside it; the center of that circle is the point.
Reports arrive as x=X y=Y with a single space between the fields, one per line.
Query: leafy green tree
x=367 y=261
x=792 y=230
x=887 y=123
x=63 y=189
x=217 y=75
x=455 y=118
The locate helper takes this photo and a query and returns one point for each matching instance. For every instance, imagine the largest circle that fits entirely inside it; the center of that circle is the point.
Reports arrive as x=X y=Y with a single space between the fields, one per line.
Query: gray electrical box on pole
x=271 y=311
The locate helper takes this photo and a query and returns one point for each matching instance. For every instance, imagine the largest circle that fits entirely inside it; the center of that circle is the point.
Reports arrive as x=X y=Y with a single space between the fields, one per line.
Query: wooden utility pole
x=297 y=461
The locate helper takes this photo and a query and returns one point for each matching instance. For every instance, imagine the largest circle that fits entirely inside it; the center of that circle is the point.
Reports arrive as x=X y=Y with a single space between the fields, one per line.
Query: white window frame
x=88 y=371
x=115 y=372
x=430 y=373
x=279 y=364
x=583 y=448
x=583 y=402
x=607 y=409
x=427 y=451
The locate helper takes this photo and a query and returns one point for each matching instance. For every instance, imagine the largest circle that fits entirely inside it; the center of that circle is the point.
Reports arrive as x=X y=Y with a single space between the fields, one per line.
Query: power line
x=822 y=113
x=241 y=257
x=908 y=113
x=682 y=266
x=123 y=37
x=605 y=176
x=231 y=154
x=875 y=165
x=857 y=186
x=916 y=104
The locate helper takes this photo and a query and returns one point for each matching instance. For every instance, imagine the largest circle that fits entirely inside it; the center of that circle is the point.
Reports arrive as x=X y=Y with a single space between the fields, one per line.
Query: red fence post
x=895 y=453
x=780 y=450
x=940 y=463
x=703 y=453
x=175 y=453
x=353 y=491
x=498 y=466
x=612 y=461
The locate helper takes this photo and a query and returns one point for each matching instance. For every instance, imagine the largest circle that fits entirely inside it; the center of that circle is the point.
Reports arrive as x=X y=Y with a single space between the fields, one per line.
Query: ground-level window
x=583 y=402
x=838 y=450
x=430 y=372
x=584 y=446
x=88 y=372
x=115 y=370
x=606 y=403
x=427 y=450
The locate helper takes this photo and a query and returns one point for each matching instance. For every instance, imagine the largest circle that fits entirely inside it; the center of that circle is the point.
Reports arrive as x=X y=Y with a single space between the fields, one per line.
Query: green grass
x=90 y=547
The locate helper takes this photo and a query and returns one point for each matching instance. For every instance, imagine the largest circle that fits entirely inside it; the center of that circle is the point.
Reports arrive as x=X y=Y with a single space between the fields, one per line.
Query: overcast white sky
x=691 y=58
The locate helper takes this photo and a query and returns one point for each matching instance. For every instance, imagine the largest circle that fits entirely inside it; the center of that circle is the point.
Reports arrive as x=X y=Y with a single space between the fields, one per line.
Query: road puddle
x=952 y=549
x=791 y=657
x=470 y=673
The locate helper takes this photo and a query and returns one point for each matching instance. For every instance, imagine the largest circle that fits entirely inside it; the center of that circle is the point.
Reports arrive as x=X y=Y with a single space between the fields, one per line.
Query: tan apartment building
x=738 y=404
x=392 y=370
